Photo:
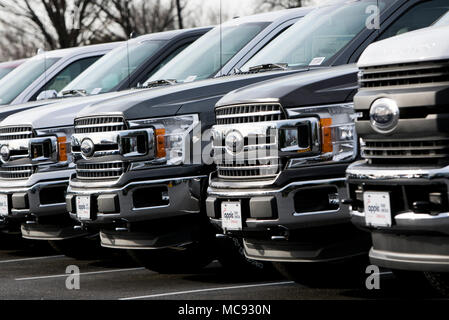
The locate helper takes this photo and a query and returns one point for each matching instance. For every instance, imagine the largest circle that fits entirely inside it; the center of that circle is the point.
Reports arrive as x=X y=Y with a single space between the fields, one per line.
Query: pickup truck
x=399 y=191
x=35 y=183
x=140 y=174
x=48 y=71
x=111 y=73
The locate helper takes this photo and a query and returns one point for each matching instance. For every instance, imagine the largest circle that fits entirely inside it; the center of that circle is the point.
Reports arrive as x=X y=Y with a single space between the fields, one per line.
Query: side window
x=419 y=16
x=65 y=76
x=167 y=59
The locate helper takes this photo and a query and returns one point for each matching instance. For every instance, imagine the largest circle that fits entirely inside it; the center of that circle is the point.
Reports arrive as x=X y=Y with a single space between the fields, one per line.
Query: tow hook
x=221 y=236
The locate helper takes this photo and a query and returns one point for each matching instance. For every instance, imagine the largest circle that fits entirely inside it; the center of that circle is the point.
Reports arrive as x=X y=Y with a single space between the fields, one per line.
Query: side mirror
x=47 y=94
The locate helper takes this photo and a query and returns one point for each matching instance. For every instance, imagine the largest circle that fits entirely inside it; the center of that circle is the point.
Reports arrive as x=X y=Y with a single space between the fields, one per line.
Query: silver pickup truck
x=399 y=191
x=49 y=71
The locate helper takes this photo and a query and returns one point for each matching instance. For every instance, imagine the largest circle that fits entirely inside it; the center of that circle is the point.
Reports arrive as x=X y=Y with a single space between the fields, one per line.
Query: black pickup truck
x=142 y=164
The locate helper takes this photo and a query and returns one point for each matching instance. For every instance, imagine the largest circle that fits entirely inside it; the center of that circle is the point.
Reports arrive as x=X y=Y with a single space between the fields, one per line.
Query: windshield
x=5 y=70
x=316 y=38
x=444 y=20
x=202 y=59
x=109 y=71
x=20 y=78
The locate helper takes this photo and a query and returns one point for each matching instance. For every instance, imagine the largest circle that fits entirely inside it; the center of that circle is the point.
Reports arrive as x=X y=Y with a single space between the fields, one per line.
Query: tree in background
x=55 y=23
x=140 y=16
x=286 y=4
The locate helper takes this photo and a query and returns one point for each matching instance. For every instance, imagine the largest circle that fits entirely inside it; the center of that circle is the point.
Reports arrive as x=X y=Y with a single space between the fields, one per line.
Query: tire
x=189 y=259
x=232 y=258
x=439 y=281
x=80 y=248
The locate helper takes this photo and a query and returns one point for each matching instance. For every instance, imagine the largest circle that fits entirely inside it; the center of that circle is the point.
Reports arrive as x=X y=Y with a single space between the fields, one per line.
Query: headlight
x=331 y=138
x=172 y=137
x=51 y=145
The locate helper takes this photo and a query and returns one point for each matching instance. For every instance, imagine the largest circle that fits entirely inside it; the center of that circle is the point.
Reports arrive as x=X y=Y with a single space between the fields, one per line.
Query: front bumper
x=137 y=214
x=418 y=239
x=295 y=223
x=43 y=199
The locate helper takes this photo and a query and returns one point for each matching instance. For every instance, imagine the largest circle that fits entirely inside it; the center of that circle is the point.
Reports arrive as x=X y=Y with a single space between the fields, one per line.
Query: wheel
x=189 y=259
x=86 y=248
x=439 y=281
x=232 y=258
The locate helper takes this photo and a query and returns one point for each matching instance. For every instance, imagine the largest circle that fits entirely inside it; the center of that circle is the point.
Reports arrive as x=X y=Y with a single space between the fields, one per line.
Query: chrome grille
x=110 y=170
x=249 y=169
x=99 y=124
x=19 y=172
x=434 y=148
x=16 y=132
x=248 y=113
x=404 y=74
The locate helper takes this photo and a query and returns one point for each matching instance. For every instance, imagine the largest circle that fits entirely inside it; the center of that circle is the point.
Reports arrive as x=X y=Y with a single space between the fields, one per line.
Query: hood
x=421 y=45
x=6 y=110
x=321 y=86
x=168 y=100
x=59 y=114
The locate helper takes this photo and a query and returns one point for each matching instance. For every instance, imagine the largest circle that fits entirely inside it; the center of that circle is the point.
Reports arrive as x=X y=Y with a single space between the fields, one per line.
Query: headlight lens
x=172 y=137
x=51 y=145
x=336 y=133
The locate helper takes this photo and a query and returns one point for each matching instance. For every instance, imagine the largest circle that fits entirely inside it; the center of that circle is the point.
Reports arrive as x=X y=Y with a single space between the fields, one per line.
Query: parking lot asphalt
x=35 y=272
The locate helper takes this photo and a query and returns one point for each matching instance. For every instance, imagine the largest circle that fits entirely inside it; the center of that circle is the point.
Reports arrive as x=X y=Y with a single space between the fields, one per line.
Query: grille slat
x=19 y=172
x=404 y=74
x=110 y=170
x=99 y=124
x=248 y=113
x=16 y=133
x=407 y=149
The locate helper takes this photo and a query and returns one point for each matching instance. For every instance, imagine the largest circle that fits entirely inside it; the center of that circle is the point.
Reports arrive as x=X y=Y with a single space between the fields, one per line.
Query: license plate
x=4 y=208
x=83 y=207
x=377 y=209
x=231 y=215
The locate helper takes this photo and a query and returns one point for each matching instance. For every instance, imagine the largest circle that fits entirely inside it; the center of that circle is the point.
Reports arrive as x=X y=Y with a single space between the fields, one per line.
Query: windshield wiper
x=157 y=83
x=268 y=66
x=74 y=92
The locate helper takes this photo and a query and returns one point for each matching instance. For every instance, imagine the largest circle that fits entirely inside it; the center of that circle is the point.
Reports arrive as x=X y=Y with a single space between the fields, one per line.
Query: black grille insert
x=249 y=113
x=405 y=74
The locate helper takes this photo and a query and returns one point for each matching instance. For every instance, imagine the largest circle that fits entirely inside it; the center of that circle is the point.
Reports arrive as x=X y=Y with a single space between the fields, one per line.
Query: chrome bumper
x=276 y=207
x=182 y=199
x=361 y=173
x=26 y=200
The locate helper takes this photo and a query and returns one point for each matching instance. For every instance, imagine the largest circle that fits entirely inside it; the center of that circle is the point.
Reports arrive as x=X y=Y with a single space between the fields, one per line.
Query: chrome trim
x=33 y=187
x=114 y=139
x=83 y=191
x=295 y=112
x=252 y=193
x=361 y=170
x=420 y=216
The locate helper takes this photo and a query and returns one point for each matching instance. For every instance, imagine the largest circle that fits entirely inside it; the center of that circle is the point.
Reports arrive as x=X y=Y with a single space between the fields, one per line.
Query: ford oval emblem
x=5 y=153
x=87 y=148
x=384 y=115
x=234 y=142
